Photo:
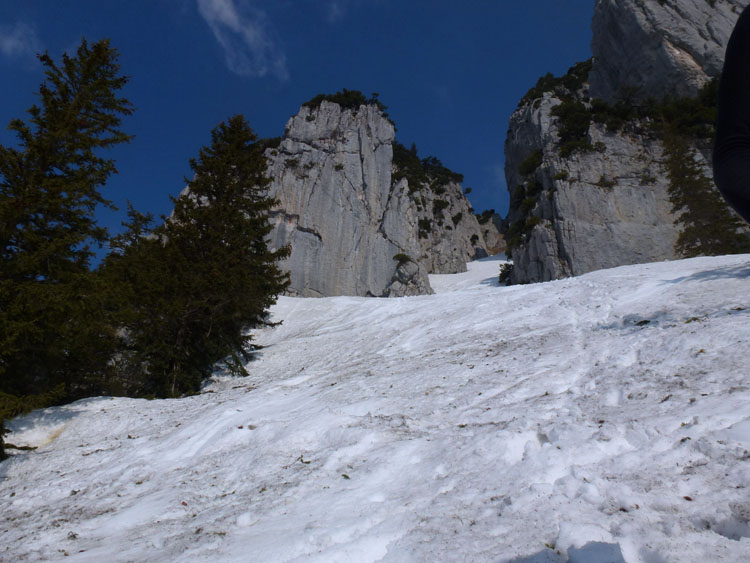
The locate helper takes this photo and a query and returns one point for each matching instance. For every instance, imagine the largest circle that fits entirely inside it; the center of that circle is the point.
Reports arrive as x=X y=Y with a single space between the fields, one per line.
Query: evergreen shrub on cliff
x=348 y=99
x=709 y=227
x=707 y=224
x=484 y=217
x=438 y=206
x=418 y=172
x=531 y=164
x=573 y=126
x=568 y=84
x=425 y=228
x=402 y=259
x=408 y=166
x=439 y=174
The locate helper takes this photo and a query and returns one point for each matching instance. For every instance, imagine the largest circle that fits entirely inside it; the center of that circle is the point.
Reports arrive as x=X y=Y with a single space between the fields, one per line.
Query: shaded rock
x=408 y=280
x=658 y=47
x=492 y=234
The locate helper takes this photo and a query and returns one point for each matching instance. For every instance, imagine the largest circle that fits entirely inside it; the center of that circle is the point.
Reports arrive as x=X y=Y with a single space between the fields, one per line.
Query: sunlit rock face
x=353 y=230
x=658 y=47
x=597 y=209
x=610 y=206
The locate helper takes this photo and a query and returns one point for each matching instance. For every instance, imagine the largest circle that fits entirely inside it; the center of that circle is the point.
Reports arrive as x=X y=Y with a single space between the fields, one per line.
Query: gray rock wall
x=659 y=46
x=346 y=219
x=454 y=237
x=597 y=209
x=492 y=233
x=610 y=207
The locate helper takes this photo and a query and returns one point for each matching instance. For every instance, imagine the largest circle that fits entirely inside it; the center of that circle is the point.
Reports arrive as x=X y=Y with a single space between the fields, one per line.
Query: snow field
x=599 y=418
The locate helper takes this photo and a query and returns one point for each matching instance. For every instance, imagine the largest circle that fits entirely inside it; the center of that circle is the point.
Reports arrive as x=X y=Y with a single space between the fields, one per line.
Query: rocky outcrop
x=448 y=231
x=588 y=180
x=591 y=210
x=658 y=47
x=353 y=228
x=492 y=227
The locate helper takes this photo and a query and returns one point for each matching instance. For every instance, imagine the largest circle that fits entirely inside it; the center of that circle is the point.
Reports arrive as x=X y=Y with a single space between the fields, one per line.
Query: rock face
x=659 y=47
x=353 y=229
x=608 y=205
x=448 y=232
x=492 y=227
x=591 y=210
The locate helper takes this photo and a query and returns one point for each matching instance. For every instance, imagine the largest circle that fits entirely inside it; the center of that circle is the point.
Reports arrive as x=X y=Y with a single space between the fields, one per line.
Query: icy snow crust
x=606 y=417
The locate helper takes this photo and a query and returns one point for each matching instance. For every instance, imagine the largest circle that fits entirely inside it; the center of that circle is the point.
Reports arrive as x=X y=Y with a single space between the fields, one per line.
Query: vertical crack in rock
x=607 y=204
x=350 y=220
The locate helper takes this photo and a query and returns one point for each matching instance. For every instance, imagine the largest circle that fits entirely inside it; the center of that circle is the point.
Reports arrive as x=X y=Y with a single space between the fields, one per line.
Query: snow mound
x=600 y=418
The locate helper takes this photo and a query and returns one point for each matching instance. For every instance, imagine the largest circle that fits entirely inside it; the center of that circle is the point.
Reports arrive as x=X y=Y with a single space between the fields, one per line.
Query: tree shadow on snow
x=53 y=416
x=740 y=271
x=494 y=258
x=47 y=422
x=593 y=552
x=492 y=282
x=51 y=419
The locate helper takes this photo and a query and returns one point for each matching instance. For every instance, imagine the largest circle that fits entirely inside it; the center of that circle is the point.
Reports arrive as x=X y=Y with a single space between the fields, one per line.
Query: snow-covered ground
x=601 y=418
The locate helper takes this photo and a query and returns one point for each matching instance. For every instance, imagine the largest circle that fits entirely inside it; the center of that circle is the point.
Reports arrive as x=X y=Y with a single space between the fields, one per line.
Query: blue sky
x=451 y=73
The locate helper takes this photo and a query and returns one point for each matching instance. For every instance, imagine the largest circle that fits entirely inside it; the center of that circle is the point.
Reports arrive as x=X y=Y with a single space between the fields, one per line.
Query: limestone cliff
x=448 y=232
x=589 y=179
x=590 y=210
x=658 y=47
x=355 y=228
x=492 y=226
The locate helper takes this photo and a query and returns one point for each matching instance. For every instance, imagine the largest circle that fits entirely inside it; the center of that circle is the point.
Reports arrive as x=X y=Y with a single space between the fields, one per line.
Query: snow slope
x=601 y=418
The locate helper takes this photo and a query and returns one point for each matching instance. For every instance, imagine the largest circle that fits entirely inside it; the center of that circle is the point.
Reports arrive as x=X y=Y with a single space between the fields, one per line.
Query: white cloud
x=336 y=10
x=19 y=41
x=247 y=38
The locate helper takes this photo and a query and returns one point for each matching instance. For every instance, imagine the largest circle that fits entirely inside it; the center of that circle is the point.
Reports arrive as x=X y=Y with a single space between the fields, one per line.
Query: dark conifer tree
x=709 y=226
x=202 y=279
x=50 y=327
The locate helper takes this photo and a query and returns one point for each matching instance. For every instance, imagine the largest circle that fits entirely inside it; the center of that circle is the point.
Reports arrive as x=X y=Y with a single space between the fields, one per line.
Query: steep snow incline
x=606 y=417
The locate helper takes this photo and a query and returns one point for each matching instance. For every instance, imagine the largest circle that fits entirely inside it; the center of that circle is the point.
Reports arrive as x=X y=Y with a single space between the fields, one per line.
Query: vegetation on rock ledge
x=567 y=84
x=418 y=171
x=707 y=224
x=348 y=99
